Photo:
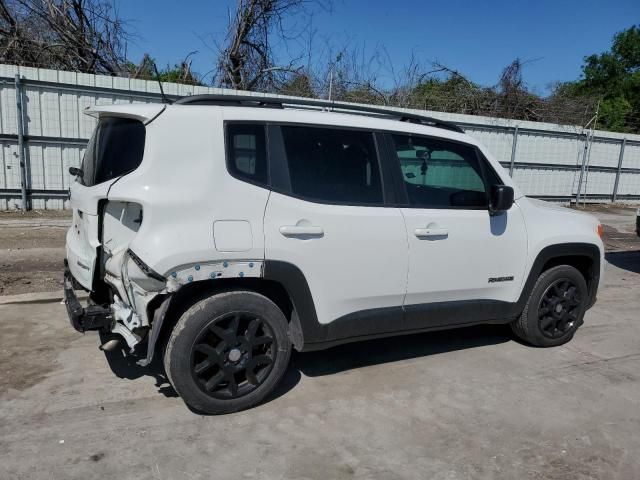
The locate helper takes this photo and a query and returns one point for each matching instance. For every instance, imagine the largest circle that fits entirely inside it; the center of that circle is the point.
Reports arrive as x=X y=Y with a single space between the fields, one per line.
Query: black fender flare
x=561 y=250
x=305 y=326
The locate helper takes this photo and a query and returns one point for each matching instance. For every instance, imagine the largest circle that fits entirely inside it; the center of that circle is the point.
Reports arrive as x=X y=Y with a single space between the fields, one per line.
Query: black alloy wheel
x=559 y=308
x=228 y=351
x=555 y=308
x=233 y=355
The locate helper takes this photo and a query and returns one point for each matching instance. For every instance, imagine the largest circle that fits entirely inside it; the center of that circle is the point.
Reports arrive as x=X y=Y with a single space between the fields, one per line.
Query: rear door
x=115 y=149
x=329 y=220
x=462 y=260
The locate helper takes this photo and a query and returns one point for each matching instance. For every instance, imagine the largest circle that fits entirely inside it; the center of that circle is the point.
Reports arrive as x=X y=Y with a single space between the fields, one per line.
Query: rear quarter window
x=247 y=152
x=115 y=149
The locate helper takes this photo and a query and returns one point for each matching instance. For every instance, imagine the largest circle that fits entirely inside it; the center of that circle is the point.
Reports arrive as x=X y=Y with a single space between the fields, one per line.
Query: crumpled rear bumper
x=92 y=317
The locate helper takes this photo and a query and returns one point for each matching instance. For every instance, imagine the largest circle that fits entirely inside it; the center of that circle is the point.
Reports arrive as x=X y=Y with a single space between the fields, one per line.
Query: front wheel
x=555 y=308
x=228 y=352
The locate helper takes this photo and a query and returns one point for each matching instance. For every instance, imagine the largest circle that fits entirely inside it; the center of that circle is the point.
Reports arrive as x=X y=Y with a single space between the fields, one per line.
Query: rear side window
x=116 y=148
x=333 y=165
x=247 y=153
x=440 y=174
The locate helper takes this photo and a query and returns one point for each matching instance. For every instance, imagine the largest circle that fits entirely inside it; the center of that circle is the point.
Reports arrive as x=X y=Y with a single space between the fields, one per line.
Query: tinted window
x=246 y=152
x=333 y=165
x=88 y=161
x=116 y=148
x=439 y=173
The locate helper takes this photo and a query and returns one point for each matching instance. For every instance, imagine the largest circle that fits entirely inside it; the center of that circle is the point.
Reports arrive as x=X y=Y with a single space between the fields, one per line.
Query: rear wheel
x=228 y=352
x=555 y=308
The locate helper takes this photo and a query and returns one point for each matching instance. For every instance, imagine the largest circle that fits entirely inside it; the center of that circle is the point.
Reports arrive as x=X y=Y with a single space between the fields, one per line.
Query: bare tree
x=247 y=61
x=89 y=36
x=512 y=99
x=445 y=89
x=78 y=35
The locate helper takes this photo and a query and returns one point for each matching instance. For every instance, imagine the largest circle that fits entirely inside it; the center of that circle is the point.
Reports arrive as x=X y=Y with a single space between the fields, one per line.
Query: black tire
x=555 y=309
x=228 y=352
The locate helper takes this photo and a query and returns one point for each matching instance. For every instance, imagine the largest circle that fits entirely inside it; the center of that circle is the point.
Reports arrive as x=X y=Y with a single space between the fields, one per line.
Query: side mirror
x=75 y=171
x=501 y=199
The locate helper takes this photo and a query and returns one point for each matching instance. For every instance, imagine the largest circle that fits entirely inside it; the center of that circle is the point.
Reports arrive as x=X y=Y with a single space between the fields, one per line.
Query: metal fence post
x=618 y=171
x=23 y=163
x=582 y=168
x=513 y=151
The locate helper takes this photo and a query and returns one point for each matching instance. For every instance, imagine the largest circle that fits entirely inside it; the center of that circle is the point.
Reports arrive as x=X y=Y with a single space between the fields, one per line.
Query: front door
x=464 y=264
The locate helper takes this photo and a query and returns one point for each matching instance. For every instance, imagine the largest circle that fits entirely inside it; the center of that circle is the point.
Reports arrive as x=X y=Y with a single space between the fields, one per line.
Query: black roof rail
x=279 y=102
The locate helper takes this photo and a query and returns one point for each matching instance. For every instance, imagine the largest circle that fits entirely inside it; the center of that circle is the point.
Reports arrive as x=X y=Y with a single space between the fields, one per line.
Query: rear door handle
x=301 y=231
x=431 y=232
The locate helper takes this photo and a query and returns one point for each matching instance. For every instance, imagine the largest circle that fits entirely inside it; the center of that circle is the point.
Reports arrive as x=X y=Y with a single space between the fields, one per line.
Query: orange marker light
x=600 y=230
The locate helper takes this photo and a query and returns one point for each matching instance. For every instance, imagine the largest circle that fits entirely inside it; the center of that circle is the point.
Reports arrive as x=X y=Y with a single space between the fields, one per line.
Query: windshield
x=116 y=148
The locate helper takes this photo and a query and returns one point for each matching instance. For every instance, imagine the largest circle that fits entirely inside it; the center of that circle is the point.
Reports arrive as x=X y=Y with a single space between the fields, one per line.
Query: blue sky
x=478 y=38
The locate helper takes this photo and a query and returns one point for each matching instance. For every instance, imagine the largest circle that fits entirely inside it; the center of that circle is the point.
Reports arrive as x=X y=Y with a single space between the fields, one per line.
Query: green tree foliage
x=613 y=77
x=300 y=85
x=178 y=73
x=453 y=94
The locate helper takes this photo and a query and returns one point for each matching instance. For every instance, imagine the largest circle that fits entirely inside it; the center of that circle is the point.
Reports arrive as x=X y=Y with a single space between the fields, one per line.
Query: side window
x=333 y=165
x=247 y=152
x=439 y=173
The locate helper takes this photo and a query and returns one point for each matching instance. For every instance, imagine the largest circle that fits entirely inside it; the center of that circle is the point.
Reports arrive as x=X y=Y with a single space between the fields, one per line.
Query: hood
x=554 y=207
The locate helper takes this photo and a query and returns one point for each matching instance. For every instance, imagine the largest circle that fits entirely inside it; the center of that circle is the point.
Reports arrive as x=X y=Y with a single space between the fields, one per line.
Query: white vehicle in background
x=220 y=232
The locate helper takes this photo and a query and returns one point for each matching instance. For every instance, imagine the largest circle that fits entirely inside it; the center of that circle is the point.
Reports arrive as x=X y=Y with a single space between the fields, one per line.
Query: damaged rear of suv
x=98 y=255
x=156 y=219
x=222 y=232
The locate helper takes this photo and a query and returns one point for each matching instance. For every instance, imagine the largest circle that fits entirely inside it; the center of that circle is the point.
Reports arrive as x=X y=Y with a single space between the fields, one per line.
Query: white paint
x=458 y=265
x=144 y=113
x=548 y=224
x=358 y=263
x=232 y=235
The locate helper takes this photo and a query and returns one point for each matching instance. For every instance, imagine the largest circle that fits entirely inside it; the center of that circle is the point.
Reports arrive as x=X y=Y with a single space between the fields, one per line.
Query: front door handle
x=301 y=231
x=431 y=232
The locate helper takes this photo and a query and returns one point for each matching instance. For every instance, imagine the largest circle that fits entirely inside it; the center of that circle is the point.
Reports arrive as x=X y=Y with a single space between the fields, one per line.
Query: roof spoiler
x=143 y=112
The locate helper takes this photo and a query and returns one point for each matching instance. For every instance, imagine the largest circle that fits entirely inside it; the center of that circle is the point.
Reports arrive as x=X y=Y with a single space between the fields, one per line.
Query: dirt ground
x=32 y=245
x=32 y=251
x=619 y=225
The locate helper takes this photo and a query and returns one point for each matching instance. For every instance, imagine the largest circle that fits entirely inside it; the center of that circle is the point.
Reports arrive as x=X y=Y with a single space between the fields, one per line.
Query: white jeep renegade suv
x=220 y=232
